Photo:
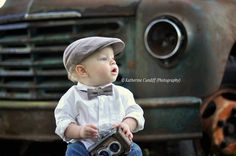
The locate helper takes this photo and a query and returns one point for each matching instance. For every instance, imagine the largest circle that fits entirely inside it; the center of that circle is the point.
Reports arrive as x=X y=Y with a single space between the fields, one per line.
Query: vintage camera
x=112 y=143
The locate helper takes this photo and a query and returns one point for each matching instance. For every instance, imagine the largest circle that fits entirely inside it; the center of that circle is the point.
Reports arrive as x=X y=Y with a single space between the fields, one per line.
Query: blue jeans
x=78 y=149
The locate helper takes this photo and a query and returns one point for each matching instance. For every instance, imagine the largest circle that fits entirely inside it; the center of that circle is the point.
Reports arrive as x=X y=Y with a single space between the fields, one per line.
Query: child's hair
x=72 y=74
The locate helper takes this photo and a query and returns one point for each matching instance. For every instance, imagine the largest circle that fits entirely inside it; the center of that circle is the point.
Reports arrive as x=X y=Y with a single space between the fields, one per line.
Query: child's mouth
x=114 y=71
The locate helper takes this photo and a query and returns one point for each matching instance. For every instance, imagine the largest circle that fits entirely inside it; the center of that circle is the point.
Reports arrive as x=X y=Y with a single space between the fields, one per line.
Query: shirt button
x=101 y=99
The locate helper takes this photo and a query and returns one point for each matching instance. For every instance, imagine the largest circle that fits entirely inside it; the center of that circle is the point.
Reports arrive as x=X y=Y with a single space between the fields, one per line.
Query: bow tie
x=92 y=93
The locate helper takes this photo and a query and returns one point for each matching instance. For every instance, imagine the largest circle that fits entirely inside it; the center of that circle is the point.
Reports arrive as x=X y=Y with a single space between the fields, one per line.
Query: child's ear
x=80 y=70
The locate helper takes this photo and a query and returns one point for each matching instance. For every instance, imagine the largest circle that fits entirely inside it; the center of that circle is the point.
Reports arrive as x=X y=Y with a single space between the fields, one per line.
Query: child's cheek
x=103 y=69
x=98 y=73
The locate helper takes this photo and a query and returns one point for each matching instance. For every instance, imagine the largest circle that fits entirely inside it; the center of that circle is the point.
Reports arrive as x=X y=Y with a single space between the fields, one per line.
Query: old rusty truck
x=178 y=54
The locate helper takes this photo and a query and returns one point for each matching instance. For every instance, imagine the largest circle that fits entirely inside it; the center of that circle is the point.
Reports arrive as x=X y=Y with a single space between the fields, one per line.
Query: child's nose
x=113 y=61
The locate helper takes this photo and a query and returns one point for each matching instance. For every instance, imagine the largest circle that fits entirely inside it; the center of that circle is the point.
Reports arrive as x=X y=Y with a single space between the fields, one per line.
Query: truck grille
x=31 y=66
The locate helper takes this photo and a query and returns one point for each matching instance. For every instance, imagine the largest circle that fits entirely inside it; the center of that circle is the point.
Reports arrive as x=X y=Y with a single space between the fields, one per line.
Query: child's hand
x=125 y=128
x=88 y=131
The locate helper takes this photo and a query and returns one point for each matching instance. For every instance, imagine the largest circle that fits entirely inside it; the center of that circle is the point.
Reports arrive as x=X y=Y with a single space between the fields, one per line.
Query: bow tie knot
x=92 y=93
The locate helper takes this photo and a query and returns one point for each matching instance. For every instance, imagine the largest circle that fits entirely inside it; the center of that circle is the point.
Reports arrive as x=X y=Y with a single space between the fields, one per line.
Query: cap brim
x=117 y=46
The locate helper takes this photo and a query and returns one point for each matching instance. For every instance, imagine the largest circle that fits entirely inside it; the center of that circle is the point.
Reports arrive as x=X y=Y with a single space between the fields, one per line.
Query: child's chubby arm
x=75 y=131
x=128 y=125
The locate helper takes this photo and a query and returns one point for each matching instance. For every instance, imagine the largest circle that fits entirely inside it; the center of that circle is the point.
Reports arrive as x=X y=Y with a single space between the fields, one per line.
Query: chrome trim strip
x=50 y=15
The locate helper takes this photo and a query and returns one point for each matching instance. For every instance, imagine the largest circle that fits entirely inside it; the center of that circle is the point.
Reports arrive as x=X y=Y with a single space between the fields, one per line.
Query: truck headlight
x=163 y=37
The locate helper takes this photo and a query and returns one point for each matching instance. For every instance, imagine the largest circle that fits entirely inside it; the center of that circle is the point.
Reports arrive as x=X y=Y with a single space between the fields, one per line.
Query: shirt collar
x=85 y=87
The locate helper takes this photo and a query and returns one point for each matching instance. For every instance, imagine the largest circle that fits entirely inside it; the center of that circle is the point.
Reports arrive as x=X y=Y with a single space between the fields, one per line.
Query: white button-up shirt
x=103 y=111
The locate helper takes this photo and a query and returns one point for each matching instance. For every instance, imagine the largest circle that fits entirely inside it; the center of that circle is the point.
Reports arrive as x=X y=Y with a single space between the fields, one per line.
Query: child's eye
x=103 y=59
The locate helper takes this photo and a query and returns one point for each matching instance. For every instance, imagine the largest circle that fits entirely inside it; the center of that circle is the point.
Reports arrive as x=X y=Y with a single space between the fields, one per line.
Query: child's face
x=101 y=67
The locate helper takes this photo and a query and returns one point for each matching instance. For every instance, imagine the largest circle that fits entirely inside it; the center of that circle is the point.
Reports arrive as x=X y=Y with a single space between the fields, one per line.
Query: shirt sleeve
x=64 y=115
x=133 y=110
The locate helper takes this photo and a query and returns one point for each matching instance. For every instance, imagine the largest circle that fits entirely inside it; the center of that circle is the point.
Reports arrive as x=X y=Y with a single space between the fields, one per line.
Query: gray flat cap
x=80 y=49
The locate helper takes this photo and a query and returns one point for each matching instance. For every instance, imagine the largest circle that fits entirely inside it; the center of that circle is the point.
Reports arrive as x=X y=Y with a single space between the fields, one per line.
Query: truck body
x=178 y=52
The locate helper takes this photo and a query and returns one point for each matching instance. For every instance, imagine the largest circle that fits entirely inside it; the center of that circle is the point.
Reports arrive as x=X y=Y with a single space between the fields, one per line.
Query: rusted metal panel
x=166 y=118
x=87 y=7
x=210 y=34
x=50 y=9
x=27 y=120
x=170 y=118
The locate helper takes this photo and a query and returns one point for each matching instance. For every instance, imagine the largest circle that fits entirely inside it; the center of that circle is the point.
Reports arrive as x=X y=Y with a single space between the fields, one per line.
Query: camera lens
x=103 y=153
x=114 y=147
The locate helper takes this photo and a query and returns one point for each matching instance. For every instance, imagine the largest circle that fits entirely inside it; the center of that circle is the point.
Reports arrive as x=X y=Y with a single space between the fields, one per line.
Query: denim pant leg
x=76 y=149
x=135 y=150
